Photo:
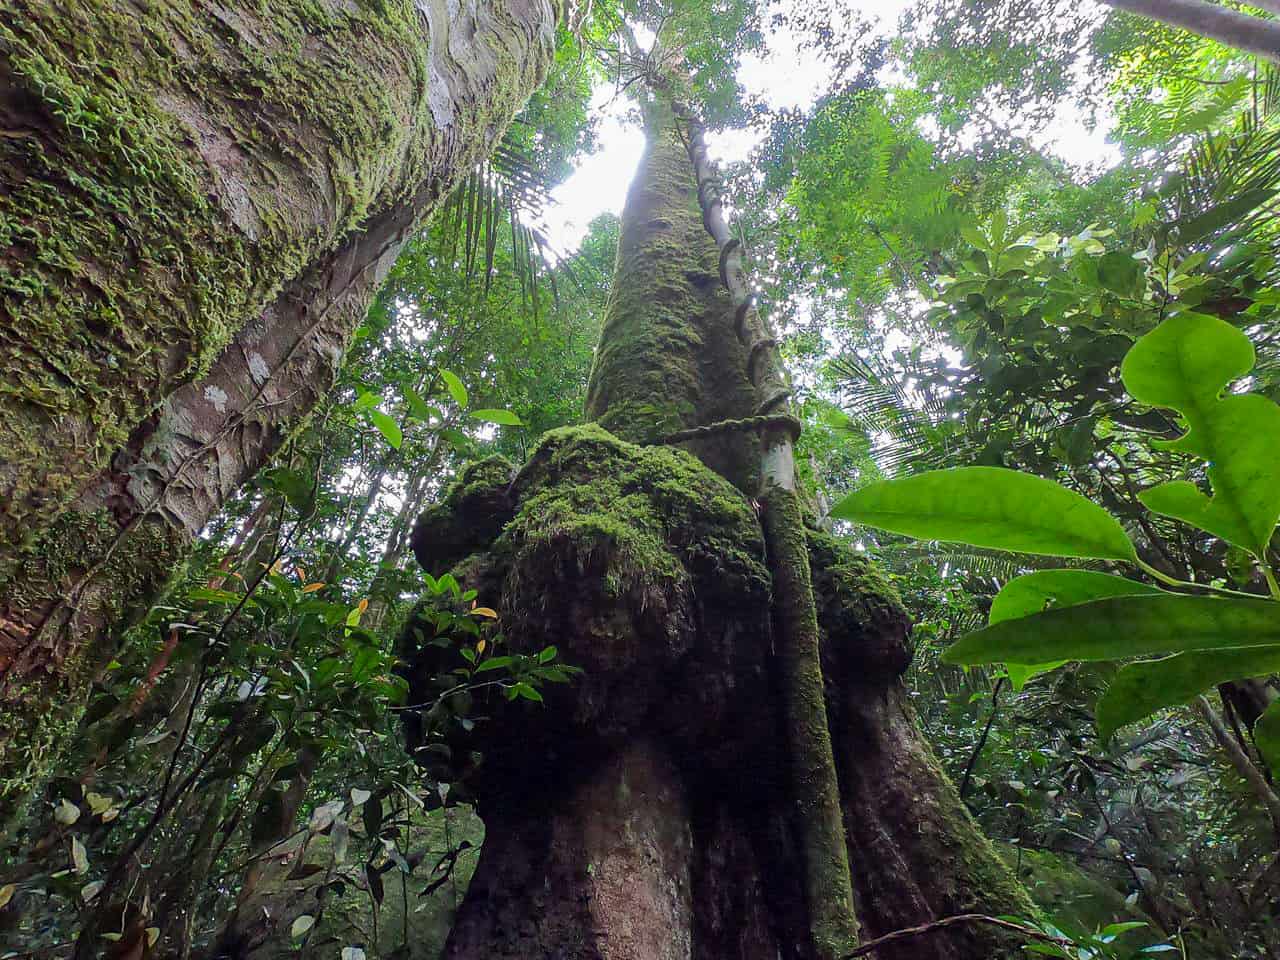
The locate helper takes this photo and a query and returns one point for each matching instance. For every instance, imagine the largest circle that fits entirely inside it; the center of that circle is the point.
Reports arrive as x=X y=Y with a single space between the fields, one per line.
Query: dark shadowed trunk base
x=642 y=814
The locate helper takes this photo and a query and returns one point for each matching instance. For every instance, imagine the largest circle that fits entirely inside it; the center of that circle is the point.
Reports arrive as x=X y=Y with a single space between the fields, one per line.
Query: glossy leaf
x=1140 y=689
x=455 y=387
x=990 y=507
x=1123 y=627
x=502 y=417
x=1035 y=592
x=387 y=426
x=301 y=925
x=1186 y=363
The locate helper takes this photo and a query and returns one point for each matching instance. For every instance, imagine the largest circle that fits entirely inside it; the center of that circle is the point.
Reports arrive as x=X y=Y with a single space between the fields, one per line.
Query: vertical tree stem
x=1240 y=760
x=828 y=883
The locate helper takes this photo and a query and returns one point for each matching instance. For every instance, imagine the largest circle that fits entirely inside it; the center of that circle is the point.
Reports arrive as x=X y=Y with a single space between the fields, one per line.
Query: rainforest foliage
x=1022 y=259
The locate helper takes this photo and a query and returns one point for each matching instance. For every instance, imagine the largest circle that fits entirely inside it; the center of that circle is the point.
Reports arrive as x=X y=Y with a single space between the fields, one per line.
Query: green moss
x=864 y=623
x=165 y=169
x=650 y=512
x=669 y=357
x=44 y=690
x=815 y=792
x=469 y=516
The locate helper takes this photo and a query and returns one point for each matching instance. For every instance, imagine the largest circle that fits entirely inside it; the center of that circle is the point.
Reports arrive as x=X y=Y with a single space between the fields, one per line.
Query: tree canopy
x=1022 y=262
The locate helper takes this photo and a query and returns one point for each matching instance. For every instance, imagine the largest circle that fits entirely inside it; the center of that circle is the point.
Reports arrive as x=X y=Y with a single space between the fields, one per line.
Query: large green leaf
x=990 y=507
x=1140 y=689
x=1266 y=734
x=1123 y=627
x=1186 y=363
x=502 y=417
x=387 y=426
x=455 y=387
x=1034 y=592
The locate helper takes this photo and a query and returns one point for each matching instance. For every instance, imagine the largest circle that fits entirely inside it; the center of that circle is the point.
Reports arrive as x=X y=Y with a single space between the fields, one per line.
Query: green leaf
x=1120 y=272
x=210 y=595
x=1115 y=929
x=1123 y=627
x=1266 y=734
x=455 y=387
x=990 y=507
x=419 y=409
x=301 y=925
x=1033 y=593
x=387 y=426
x=974 y=237
x=1185 y=363
x=528 y=692
x=504 y=417
x=1222 y=215
x=1140 y=689
x=365 y=401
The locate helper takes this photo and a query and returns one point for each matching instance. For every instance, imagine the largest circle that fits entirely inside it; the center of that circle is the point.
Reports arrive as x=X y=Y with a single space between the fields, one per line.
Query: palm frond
x=507 y=190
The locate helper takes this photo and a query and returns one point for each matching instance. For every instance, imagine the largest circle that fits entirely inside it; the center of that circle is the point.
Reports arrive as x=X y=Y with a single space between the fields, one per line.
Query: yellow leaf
x=6 y=894
x=302 y=573
x=363 y=605
x=312 y=587
x=485 y=612
x=79 y=856
x=66 y=812
x=153 y=934
x=480 y=646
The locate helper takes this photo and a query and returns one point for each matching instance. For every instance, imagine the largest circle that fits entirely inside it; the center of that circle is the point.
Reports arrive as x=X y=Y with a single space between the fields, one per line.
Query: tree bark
x=1230 y=27
x=649 y=810
x=194 y=233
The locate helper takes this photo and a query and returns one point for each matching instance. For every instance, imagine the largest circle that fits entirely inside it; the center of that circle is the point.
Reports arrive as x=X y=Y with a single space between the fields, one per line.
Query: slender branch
x=1245 y=766
x=908 y=933
x=982 y=740
x=1190 y=585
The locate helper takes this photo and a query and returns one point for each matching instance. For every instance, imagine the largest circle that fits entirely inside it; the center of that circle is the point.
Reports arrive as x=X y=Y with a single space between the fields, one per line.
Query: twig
x=982 y=740
x=925 y=928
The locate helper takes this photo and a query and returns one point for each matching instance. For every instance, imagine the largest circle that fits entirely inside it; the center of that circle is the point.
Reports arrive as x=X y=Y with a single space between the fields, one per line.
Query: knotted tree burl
x=646 y=811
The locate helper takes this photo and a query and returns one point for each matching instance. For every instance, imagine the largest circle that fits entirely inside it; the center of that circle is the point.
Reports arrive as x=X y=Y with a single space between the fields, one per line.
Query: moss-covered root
x=920 y=854
x=816 y=793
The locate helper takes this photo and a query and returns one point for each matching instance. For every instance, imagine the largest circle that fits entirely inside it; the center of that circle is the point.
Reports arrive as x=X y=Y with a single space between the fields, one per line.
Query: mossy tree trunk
x=649 y=810
x=197 y=203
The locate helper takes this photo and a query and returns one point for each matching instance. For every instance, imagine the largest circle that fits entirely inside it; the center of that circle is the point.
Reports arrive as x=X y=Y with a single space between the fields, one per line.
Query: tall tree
x=648 y=811
x=1216 y=21
x=197 y=206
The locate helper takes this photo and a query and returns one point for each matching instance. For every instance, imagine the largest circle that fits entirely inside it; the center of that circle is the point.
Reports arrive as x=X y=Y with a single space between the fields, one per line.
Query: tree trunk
x=197 y=202
x=648 y=811
x=1230 y=27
